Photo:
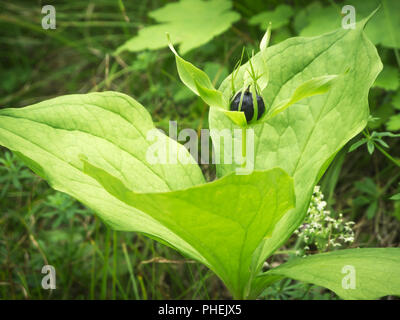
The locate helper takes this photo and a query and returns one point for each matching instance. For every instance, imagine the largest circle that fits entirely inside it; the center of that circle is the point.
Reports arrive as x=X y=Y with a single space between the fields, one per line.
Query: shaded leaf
x=388 y=79
x=357 y=144
x=278 y=17
x=376 y=272
x=381 y=29
x=393 y=123
x=192 y=23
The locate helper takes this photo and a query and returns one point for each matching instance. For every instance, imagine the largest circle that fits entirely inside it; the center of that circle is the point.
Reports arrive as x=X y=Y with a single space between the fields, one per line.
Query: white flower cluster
x=320 y=231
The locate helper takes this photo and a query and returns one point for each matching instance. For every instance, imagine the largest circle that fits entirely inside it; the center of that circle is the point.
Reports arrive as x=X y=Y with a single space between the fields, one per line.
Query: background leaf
x=394 y=123
x=278 y=17
x=191 y=23
x=388 y=79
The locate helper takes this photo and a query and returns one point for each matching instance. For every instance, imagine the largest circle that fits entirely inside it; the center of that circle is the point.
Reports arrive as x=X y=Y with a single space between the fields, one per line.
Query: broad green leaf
x=316 y=19
x=376 y=272
x=382 y=29
x=198 y=81
x=388 y=79
x=110 y=130
x=94 y=147
x=278 y=17
x=312 y=87
x=192 y=23
x=394 y=123
x=303 y=139
x=224 y=220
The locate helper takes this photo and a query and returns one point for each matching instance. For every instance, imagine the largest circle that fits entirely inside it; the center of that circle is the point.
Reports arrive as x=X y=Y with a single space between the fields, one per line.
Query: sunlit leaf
x=198 y=81
x=304 y=139
x=224 y=220
x=318 y=85
x=94 y=147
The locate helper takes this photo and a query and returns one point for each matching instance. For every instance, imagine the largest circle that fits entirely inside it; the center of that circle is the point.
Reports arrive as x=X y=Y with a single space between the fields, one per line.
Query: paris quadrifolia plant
x=303 y=99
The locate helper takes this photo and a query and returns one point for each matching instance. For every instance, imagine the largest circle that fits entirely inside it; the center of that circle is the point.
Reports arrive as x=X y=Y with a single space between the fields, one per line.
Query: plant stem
x=244 y=147
x=385 y=153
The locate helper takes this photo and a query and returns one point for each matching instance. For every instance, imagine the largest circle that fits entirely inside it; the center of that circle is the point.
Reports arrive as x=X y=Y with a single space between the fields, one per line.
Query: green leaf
x=396 y=100
x=211 y=97
x=384 y=134
x=198 y=81
x=278 y=17
x=394 y=123
x=376 y=271
x=367 y=186
x=316 y=19
x=388 y=79
x=304 y=139
x=381 y=29
x=237 y=117
x=312 y=87
x=94 y=147
x=383 y=143
x=266 y=38
x=191 y=22
x=370 y=147
x=224 y=220
x=395 y=197
x=110 y=129
x=371 y=210
x=358 y=144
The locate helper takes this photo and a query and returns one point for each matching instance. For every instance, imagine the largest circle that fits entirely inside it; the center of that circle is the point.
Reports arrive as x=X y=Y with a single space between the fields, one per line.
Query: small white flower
x=322 y=230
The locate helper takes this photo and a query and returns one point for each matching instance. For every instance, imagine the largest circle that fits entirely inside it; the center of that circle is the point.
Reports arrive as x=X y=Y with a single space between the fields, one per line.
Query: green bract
x=93 y=147
x=253 y=75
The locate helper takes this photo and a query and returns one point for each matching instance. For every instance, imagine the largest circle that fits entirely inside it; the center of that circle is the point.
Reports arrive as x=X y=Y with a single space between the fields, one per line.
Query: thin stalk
x=387 y=155
x=106 y=266
x=130 y=270
x=244 y=147
x=115 y=257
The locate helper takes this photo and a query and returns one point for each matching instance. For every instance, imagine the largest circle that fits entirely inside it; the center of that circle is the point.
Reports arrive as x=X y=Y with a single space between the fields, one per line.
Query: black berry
x=247 y=105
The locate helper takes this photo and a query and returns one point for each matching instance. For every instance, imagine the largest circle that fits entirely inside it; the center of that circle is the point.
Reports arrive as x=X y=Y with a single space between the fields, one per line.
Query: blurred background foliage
x=119 y=45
